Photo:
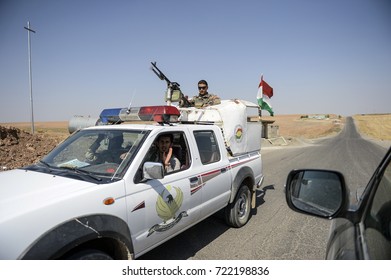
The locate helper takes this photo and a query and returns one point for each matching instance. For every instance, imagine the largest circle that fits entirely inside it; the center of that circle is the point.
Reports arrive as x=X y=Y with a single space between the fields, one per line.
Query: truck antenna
x=130 y=104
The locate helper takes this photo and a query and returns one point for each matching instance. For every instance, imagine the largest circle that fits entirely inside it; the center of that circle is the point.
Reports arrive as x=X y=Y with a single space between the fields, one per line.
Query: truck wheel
x=238 y=212
x=90 y=255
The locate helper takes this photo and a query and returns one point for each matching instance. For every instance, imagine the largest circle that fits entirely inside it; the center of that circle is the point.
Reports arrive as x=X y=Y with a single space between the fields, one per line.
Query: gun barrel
x=159 y=73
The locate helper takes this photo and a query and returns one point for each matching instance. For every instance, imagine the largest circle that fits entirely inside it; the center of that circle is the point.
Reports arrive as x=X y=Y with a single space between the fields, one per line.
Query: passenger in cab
x=164 y=153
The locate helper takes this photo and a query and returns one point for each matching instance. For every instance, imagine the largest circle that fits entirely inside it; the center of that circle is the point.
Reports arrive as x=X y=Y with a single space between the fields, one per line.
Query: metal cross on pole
x=30 y=75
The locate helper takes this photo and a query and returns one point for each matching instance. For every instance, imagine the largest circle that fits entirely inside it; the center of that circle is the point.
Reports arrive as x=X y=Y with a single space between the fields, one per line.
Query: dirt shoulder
x=18 y=147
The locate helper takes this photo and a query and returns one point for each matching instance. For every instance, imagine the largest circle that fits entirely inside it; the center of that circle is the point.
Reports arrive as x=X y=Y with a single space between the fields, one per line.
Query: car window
x=177 y=153
x=207 y=146
x=378 y=219
x=90 y=148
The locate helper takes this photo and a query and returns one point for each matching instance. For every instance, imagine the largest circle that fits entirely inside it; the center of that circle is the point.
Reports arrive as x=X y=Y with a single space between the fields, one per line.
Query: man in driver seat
x=113 y=154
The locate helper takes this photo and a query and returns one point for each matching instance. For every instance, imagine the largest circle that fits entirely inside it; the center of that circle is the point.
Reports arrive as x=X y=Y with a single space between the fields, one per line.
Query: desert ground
x=18 y=147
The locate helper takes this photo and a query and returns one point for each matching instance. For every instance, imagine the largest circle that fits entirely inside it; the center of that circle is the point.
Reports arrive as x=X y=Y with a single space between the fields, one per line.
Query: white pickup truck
x=98 y=196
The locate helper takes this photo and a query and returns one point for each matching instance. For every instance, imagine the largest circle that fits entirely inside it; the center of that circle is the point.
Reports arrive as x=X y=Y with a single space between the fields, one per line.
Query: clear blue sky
x=319 y=56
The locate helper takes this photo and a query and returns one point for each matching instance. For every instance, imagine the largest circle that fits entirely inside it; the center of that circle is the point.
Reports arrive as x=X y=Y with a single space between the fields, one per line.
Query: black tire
x=238 y=212
x=90 y=254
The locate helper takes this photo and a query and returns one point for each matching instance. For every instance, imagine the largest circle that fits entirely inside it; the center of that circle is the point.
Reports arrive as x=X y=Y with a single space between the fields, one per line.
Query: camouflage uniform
x=205 y=100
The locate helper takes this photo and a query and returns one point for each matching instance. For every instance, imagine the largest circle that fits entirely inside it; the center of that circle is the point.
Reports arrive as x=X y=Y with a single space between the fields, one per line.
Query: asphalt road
x=275 y=232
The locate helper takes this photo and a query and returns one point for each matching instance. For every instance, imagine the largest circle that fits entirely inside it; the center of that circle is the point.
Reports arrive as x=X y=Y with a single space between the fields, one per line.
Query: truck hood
x=24 y=190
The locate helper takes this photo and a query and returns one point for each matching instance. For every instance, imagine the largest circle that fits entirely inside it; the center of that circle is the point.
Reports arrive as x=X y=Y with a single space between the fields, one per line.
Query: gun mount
x=174 y=93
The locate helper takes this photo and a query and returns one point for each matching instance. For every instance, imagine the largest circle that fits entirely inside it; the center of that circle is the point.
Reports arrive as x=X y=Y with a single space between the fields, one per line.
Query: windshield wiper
x=44 y=163
x=82 y=172
x=47 y=166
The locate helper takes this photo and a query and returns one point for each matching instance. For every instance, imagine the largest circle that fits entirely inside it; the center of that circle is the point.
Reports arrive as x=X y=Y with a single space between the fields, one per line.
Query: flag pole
x=30 y=75
x=260 y=109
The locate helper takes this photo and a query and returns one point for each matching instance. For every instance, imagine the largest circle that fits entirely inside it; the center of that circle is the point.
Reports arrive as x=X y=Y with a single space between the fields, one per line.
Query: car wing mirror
x=153 y=170
x=316 y=192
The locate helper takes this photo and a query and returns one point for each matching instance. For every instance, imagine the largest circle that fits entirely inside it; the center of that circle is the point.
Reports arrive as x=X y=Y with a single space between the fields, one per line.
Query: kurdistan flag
x=265 y=92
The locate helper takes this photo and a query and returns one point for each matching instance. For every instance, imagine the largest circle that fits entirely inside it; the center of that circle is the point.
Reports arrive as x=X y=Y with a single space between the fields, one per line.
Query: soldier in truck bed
x=204 y=98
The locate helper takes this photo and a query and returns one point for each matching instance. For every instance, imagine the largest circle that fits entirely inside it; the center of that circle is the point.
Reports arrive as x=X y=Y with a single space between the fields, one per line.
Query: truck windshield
x=100 y=153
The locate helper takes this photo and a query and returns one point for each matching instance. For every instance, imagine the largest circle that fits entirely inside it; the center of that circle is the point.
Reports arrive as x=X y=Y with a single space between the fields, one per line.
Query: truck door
x=158 y=209
x=215 y=175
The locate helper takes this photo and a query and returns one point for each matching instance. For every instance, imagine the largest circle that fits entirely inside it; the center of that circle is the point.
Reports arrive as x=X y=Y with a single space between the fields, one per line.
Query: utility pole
x=30 y=75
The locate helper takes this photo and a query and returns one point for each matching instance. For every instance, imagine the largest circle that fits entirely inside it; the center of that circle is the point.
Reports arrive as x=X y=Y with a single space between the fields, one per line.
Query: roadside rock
x=19 y=148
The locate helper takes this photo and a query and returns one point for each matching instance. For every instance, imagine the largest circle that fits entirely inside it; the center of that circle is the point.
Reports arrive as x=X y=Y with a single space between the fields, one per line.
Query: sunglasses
x=202 y=87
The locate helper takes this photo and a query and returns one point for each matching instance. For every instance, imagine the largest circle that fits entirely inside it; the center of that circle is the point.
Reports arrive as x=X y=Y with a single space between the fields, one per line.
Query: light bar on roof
x=160 y=114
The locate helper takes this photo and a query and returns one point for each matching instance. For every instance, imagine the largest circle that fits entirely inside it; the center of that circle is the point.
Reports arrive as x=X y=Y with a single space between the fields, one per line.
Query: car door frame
x=366 y=204
x=350 y=223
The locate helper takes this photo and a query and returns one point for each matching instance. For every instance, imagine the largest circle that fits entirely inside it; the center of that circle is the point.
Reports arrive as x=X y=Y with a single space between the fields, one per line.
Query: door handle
x=194 y=181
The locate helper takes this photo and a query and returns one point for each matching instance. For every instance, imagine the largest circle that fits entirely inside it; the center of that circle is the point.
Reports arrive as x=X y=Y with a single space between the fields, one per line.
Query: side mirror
x=153 y=170
x=316 y=192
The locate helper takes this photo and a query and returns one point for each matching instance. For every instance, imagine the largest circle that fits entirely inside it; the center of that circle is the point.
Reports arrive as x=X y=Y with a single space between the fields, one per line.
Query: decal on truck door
x=203 y=178
x=140 y=206
x=166 y=207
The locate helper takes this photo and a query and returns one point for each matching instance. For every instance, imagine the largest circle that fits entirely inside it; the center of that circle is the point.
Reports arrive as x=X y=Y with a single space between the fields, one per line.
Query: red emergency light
x=160 y=114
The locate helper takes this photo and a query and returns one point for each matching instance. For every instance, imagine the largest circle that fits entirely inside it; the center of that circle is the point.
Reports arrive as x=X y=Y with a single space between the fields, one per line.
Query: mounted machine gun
x=174 y=93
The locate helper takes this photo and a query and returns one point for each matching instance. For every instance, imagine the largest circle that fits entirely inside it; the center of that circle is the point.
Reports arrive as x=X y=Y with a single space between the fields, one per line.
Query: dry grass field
x=54 y=129
x=303 y=126
x=376 y=126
